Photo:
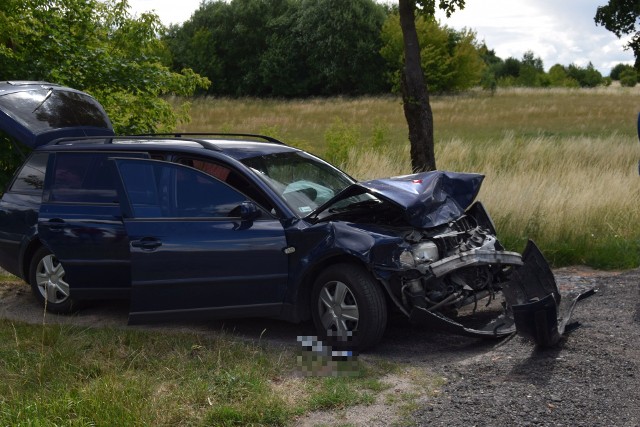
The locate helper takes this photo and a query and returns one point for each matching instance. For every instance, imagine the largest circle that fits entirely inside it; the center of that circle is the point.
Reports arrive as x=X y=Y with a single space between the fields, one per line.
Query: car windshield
x=303 y=181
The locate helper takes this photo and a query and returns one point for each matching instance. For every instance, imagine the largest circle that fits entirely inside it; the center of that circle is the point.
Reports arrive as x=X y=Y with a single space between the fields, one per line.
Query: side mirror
x=249 y=211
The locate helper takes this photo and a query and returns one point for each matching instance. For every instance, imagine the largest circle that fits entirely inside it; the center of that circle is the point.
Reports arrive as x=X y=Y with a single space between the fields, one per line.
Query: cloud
x=561 y=32
x=169 y=11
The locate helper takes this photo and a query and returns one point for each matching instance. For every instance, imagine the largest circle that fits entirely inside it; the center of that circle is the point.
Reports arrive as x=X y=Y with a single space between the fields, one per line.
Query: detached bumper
x=532 y=294
x=539 y=312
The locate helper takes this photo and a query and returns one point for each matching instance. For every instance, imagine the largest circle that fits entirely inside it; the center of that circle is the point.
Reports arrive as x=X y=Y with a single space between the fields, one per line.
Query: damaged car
x=237 y=225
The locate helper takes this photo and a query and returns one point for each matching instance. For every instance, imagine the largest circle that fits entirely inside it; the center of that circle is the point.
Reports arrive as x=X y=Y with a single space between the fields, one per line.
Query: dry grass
x=298 y=122
x=470 y=117
x=560 y=164
x=578 y=197
x=558 y=190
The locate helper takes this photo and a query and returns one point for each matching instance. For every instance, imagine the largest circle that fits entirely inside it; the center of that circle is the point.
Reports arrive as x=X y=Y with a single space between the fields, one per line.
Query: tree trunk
x=417 y=109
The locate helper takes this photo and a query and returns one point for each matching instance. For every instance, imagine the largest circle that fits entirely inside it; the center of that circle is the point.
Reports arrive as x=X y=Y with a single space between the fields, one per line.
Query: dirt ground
x=592 y=378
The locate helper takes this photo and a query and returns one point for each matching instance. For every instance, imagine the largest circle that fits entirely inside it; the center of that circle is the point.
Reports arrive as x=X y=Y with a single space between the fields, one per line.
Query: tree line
x=277 y=48
x=300 y=48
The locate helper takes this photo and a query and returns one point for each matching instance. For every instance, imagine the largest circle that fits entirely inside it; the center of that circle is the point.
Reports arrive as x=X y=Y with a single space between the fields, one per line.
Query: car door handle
x=146 y=243
x=55 y=224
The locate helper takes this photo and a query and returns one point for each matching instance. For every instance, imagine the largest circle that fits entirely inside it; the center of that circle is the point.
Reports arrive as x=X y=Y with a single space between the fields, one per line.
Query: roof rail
x=138 y=138
x=218 y=135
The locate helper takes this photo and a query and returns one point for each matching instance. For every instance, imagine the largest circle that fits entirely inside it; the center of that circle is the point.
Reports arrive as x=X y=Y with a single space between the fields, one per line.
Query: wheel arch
x=27 y=256
x=302 y=300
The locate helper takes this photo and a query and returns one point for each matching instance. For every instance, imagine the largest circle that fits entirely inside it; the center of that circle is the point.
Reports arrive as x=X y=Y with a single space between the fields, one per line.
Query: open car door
x=194 y=249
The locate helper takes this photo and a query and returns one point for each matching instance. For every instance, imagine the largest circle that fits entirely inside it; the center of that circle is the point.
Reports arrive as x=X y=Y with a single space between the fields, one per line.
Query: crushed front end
x=460 y=267
x=446 y=265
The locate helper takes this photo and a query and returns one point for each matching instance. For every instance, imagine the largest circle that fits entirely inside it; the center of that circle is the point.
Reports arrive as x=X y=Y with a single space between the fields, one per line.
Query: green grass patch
x=7 y=277
x=337 y=393
x=67 y=375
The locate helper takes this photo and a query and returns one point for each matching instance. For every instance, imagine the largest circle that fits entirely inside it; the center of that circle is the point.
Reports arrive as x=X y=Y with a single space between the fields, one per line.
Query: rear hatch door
x=35 y=113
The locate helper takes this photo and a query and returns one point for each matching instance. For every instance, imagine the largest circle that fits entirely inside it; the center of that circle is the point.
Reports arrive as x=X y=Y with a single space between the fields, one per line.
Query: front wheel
x=47 y=279
x=348 y=307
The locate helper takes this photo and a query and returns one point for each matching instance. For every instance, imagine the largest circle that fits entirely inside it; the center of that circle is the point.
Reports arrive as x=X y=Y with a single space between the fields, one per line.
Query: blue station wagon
x=232 y=225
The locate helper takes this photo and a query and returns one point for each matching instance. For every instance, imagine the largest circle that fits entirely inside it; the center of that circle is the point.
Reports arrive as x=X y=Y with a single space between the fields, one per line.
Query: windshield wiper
x=44 y=100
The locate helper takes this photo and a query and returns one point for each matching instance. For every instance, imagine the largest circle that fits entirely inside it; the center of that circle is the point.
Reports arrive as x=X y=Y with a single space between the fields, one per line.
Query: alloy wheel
x=338 y=310
x=50 y=280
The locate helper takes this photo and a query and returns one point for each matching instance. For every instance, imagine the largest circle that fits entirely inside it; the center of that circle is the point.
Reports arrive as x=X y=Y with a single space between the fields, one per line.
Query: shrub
x=618 y=69
x=340 y=138
x=628 y=78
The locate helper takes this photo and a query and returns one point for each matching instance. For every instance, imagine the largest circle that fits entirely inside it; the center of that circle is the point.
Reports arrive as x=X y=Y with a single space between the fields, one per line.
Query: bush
x=339 y=139
x=628 y=78
x=586 y=77
x=450 y=59
x=618 y=69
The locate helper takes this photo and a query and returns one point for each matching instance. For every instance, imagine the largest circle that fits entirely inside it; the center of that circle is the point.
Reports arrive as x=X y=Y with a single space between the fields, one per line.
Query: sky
x=557 y=31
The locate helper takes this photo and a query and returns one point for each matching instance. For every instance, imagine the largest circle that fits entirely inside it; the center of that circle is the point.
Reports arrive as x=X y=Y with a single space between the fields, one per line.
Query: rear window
x=30 y=179
x=41 y=110
x=85 y=177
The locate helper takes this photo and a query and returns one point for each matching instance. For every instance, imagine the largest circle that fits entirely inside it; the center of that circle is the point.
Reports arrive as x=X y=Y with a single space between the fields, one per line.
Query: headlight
x=425 y=252
x=407 y=259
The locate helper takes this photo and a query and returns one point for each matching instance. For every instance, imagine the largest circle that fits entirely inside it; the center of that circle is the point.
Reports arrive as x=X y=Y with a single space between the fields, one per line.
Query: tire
x=46 y=276
x=348 y=307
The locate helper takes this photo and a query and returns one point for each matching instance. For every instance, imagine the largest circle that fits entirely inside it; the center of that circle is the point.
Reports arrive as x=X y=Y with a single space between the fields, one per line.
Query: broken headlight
x=424 y=252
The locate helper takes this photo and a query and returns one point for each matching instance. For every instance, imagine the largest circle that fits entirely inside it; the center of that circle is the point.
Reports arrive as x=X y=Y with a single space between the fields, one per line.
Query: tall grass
x=581 y=203
x=471 y=117
x=560 y=164
x=577 y=197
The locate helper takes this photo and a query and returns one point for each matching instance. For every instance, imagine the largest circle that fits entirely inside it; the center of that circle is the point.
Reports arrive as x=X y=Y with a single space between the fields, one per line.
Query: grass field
x=560 y=164
x=66 y=375
x=60 y=374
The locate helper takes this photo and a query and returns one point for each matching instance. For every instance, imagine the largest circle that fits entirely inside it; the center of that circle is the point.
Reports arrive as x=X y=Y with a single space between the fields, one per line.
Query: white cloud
x=169 y=11
x=561 y=32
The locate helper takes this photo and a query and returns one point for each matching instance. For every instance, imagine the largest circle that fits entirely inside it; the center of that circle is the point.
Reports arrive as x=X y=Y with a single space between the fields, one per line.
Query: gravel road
x=591 y=379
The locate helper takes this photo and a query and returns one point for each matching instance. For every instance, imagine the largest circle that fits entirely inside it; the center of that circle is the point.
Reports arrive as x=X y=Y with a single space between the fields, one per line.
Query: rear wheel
x=348 y=307
x=47 y=279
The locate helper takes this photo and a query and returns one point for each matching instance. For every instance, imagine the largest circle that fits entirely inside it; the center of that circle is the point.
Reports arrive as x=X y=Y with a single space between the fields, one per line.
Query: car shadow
x=402 y=341
x=541 y=360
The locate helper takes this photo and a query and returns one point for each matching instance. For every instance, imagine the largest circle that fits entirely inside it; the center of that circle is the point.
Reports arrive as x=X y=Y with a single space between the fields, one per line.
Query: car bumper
x=534 y=303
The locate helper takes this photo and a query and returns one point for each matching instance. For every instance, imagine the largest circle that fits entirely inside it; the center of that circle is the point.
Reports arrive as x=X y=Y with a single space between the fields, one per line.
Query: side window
x=143 y=191
x=30 y=179
x=161 y=189
x=85 y=178
x=232 y=178
x=198 y=195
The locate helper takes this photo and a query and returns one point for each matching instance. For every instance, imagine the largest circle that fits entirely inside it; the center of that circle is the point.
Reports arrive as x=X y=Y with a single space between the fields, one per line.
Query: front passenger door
x=191 y=251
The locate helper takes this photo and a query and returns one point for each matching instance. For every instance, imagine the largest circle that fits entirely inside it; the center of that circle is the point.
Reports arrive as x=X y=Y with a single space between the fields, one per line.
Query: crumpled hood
x=428 y=199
